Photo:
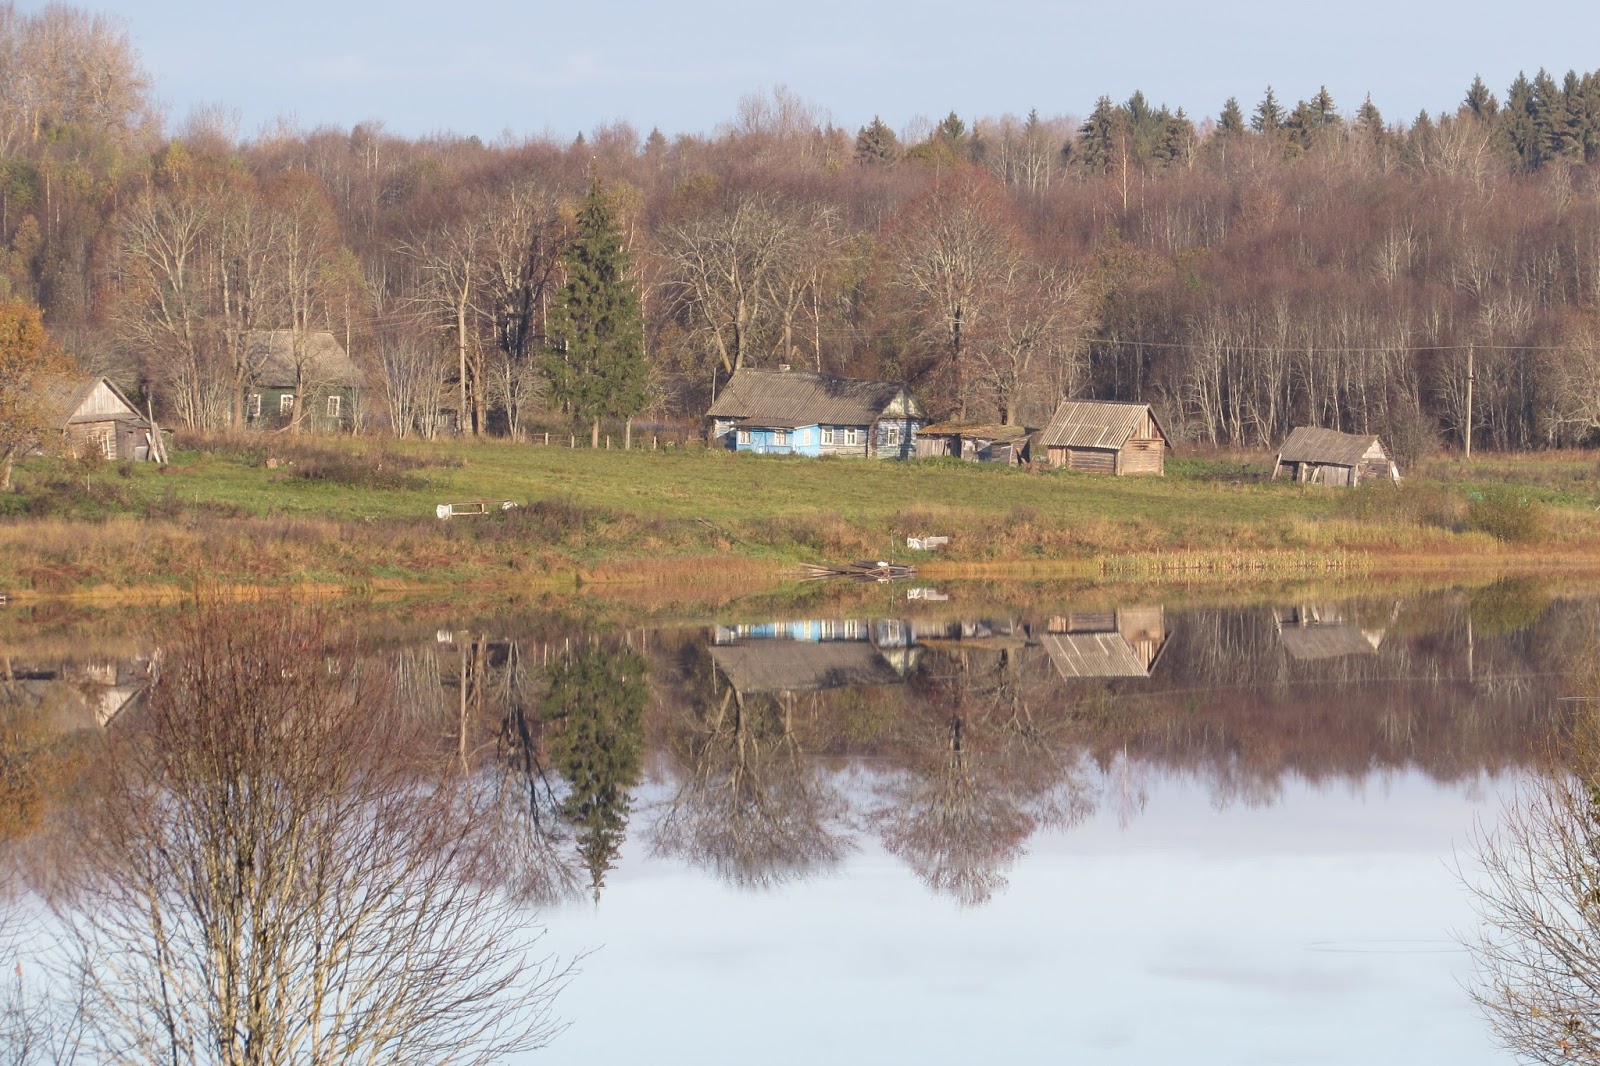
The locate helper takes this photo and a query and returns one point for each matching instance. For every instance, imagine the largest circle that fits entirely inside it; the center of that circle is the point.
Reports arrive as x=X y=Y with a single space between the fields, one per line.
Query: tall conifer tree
x=596 y=363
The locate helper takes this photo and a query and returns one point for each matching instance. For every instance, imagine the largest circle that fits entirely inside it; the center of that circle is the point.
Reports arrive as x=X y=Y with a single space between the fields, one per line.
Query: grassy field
x=362 y=512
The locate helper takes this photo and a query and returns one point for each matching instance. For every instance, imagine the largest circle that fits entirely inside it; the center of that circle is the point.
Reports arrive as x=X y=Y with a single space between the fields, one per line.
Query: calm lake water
x=1052 y=827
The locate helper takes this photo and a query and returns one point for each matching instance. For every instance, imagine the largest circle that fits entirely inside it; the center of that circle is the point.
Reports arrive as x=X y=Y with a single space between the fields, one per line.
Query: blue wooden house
x=796 y=412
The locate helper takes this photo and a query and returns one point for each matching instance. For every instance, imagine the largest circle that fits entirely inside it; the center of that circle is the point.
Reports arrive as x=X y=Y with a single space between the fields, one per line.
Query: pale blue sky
x=483 y=67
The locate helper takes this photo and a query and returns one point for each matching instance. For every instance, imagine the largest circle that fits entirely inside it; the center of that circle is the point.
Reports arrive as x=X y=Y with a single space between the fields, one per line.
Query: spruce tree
x=1269 y=116
x=596 y=363
x=1231 y=122
x=1097 y=138
x=1480 y=101
x=876 y=144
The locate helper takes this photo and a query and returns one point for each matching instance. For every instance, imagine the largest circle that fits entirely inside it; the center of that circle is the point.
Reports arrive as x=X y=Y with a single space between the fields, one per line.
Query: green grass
x=342 y=510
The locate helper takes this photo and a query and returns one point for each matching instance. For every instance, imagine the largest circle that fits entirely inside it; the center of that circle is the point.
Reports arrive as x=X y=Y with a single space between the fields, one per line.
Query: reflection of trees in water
x=750 y=805
x=595 y=707
x=277 y=869
x=985 y=766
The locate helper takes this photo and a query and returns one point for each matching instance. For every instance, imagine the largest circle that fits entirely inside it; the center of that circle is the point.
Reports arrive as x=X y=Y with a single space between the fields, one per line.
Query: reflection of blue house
x=795 y=412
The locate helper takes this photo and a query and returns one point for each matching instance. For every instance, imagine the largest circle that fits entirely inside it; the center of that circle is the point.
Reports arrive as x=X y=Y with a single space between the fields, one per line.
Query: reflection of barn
x=1125 y=642
x=813 y=655
x=1322 y=633
x=76 y=697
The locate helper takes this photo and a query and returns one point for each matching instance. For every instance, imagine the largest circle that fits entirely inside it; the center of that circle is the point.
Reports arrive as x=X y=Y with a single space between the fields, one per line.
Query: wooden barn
x=1106 y=438
x=97 y=417
x=976 y=444
x=1327 y=457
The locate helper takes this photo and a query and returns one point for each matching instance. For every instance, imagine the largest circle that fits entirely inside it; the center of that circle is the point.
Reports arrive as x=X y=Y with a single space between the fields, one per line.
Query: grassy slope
x=224 y=513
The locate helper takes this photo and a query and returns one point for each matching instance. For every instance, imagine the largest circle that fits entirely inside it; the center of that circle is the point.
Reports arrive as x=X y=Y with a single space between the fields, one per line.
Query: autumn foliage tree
x=34 y=374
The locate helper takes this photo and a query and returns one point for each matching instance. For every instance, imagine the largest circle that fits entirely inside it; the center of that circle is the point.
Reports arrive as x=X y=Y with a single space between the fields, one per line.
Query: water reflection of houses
x=1309 y=633
x=814 y=654
x=1124 y=642
x=76 y=696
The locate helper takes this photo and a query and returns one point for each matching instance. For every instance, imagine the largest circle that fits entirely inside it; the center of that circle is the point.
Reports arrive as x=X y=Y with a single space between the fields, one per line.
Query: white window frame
x=286 y=403
x=852 y=437
x=827 y=435
x=780 y=438
x=255 y=405
x=335 y=403
x=744 y=436
x=891 y=434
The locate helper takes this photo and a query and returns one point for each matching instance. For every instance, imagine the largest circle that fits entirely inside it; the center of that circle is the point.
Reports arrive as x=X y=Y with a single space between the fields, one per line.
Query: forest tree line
x=1281 y=264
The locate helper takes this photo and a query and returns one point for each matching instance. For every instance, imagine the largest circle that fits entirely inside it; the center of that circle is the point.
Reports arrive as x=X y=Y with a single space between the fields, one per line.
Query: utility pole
x=1466 y=433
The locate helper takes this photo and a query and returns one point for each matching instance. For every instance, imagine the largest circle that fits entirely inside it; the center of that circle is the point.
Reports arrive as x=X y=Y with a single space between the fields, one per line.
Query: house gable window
x=286 y=403
x=827 y=434
x=334 y=405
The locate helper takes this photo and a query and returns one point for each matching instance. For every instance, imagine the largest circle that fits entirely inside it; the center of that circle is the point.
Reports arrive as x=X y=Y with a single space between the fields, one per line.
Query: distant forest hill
x=1282 y=264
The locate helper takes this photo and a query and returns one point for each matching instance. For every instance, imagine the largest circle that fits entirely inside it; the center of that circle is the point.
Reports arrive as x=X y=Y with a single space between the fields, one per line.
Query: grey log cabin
x=1328 y=457
x=1105 y=437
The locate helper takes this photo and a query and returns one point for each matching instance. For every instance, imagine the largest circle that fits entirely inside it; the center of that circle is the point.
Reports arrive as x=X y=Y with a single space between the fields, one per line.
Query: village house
x=1328 y=457
x=974 y=443
x=323 y=383
x=1105 y=438
x=98 y=418
x=797 y=412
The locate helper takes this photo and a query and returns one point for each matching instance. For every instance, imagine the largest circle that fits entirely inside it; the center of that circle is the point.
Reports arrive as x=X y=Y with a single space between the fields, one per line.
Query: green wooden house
x=308 y=378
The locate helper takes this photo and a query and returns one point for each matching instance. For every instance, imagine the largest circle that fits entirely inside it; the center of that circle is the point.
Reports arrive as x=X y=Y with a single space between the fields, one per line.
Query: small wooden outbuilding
x=98 y=418
x=1327 y=457
x=974 y=443
x=1105 y=437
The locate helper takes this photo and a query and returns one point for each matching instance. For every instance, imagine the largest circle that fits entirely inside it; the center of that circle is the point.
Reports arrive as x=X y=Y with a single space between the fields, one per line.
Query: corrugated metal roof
x=802 y=666
x=272 y=352
x=1309 y=444
x=1093 y=655
x=790 y=398
x=1093 y=424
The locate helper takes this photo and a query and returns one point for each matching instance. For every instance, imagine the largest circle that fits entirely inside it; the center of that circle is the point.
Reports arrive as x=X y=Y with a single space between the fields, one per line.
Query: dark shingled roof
x=801 y=665
x=790 y=398
x=1308 y=444
x=272 y=352
x=1094 y=424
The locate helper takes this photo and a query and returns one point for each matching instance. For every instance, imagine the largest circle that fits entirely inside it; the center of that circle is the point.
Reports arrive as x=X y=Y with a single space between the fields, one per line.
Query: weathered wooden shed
x=1312 y=632
x=98 y=418
x=975 y=443
x=1125 y=642
x=1328 y=457
x=1106 y=438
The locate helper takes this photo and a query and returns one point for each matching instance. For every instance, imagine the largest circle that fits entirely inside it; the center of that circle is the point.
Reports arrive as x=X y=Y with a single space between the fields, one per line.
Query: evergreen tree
x=876 y=144
x=1097 y=139
x=1322 y=109
x=1177 y=141
x=1230 y=123
x=596 y=364
x=596 y=704
x=1369 y=120
x=1268 y=117
x=1480 y=101
x=655 y=145
x=951 y=130
x=1518 y=124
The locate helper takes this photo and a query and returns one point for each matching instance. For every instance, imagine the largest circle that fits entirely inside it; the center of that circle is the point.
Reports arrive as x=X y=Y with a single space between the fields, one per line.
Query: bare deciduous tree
x=282 y=868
